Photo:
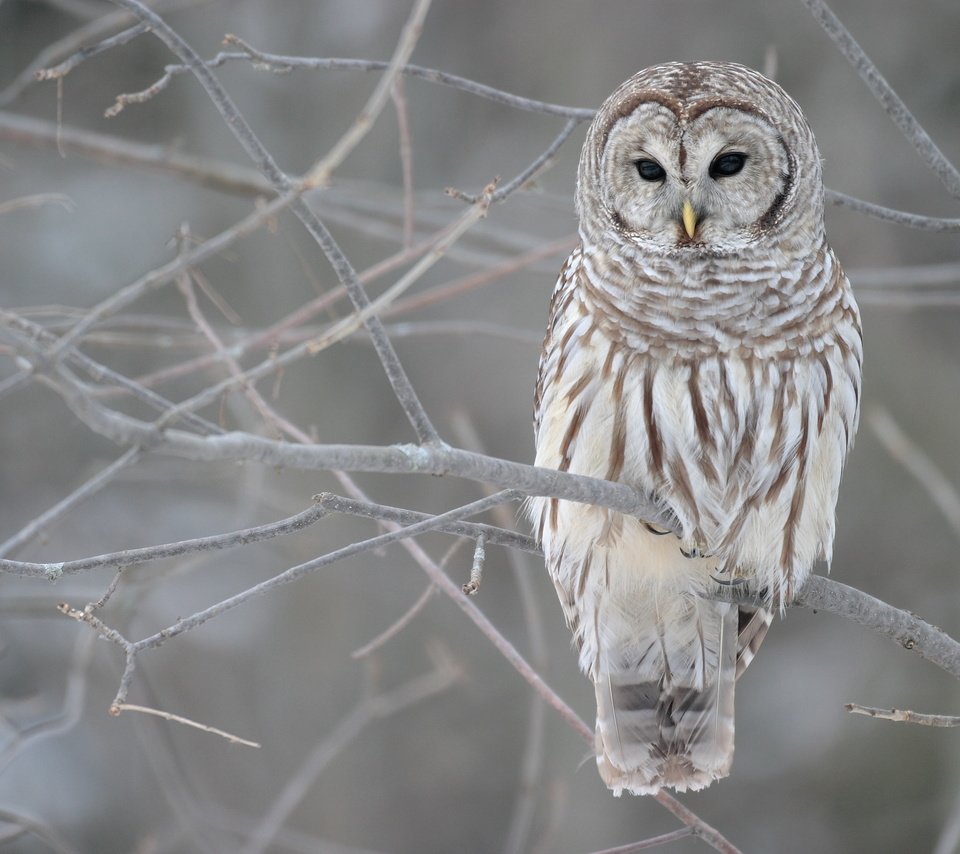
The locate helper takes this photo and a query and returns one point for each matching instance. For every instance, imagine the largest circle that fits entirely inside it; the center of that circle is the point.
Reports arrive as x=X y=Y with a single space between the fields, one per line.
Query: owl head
x=700 y=157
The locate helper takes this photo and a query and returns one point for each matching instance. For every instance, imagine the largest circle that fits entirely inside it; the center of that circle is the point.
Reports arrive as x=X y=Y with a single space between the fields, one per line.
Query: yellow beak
x=689 y=218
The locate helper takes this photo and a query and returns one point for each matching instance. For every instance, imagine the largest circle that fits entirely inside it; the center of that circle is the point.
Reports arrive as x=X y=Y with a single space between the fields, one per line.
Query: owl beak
x=689 y=216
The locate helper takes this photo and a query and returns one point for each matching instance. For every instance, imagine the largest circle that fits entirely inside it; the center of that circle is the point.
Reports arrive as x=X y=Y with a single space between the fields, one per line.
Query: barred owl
x=704 y=347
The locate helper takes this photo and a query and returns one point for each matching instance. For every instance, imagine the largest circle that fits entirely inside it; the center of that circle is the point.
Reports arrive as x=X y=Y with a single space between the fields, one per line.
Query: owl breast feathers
x=704 y=347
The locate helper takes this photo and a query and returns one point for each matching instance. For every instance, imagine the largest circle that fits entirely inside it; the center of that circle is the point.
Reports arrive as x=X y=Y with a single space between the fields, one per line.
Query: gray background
x=442 y=775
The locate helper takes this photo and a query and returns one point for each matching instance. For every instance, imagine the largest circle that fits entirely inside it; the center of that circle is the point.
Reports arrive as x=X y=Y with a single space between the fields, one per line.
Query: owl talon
x=654 y=530
x=695 y=551
x=733 y=582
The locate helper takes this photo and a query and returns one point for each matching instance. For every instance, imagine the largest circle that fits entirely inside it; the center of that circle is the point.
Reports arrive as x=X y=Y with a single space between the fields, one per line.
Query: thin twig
x=410 y=614
x=117 y=708
x=202 y=171
x=318 y=174
x=45 y=344
x=129 y=557
x=398 y=625
x=58 y=72
x=904 y=716
x=185 y=284
x=910 y=220
x=64 y=47
x=262 y=60
x=348 y=325
x=430 y=296
x=90 y=487
x=237 y=124
x=652 y=842
x=186 y=624
x=166 y=273
x=528 y=173
x=269 y=336
x=472 y=587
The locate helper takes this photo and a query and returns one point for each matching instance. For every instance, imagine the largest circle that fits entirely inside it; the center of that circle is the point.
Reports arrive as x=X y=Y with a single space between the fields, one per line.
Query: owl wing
x=562 y=293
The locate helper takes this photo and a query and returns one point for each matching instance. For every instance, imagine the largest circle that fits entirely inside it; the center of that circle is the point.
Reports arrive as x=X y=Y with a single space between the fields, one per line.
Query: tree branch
x=237 y=124
x=883 y=92
x=904 y=716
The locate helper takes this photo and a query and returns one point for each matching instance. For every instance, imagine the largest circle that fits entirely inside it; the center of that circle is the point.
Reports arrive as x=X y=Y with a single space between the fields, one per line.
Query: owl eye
x=727 y=164
x=650 y=170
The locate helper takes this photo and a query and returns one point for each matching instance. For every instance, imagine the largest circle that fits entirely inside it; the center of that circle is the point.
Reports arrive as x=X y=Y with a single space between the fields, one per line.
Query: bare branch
x=904 y=716
x=497 y=536
x=85 y=490
x=530 y=172
x=294 y=573
x=318 y=174
x=57 y=72
x=396 y=627
x=883 y=92
x=162 y=275
x=203 y=171
x=130 y=557
x=652 y=842
x=345 y=327
x=472 y=587
x=38 y=338
x=395 y=459
x=397 y=376
x=117 y=708
x=58 y=50
x=929 y=642
x=277 y=62
x=910 y=220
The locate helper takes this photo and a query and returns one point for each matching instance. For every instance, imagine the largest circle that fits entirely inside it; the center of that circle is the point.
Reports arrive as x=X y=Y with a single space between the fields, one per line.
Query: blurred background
x=472 y=763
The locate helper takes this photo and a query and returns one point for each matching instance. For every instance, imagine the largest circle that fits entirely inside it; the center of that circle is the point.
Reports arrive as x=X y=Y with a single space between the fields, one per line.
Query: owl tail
x=665 y=719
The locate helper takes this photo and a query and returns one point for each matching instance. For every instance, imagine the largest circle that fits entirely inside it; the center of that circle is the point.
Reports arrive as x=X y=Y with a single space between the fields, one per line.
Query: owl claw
x=695 y=551
x=732 y=582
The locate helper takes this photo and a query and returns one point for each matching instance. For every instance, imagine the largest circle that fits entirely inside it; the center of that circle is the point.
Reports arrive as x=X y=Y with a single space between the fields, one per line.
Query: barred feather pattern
x=726 y=385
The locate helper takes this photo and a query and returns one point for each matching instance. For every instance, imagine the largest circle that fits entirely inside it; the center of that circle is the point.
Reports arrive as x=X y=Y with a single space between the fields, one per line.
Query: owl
x=704 y=347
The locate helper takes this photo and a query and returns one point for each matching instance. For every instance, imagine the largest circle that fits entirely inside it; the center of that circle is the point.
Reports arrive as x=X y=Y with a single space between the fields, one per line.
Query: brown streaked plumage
x=703 y=346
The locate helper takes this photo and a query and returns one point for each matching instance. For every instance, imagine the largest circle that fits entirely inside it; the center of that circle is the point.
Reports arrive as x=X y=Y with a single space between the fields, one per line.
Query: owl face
x=678 y=162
